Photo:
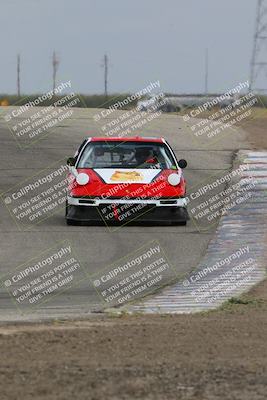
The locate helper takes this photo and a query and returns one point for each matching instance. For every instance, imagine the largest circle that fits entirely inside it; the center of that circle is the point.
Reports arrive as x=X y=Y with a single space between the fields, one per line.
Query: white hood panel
x=125 y=175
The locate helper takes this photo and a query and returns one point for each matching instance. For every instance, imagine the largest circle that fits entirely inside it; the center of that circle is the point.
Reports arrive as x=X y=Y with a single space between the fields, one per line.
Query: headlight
x=82 y=179
x=174 y=179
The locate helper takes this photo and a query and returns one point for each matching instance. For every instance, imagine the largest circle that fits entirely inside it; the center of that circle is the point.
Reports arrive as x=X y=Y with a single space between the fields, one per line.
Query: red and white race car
x=121 y=180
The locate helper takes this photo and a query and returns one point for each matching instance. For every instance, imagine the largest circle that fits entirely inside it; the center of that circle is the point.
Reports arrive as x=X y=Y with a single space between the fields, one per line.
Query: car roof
x=128 y=139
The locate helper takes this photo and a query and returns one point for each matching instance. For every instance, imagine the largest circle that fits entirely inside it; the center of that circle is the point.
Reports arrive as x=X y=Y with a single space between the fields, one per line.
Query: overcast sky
x=146 y=40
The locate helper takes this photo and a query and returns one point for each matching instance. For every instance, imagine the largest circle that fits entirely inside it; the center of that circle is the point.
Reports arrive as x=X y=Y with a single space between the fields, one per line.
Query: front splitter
x=125 y=214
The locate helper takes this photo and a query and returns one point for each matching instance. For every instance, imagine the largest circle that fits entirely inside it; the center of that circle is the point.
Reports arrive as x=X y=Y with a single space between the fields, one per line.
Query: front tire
x=72 y=222
x=179 y=223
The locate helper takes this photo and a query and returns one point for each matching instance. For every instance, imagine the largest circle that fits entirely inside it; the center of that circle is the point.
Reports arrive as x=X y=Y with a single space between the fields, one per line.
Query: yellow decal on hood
x=126 y=176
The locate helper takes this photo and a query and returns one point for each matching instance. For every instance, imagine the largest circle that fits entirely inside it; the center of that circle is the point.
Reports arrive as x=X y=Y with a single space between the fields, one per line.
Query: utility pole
x=106 y=75
x=18 y=75
x=258 y=66
x=206 y=71
x=55 y=63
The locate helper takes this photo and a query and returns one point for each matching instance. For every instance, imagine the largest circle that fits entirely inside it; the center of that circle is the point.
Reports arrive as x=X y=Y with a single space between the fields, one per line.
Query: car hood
x=127 y=175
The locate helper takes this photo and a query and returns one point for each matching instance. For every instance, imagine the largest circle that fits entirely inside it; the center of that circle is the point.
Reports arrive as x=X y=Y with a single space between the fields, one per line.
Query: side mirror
x=182 y=163
x=71 y=161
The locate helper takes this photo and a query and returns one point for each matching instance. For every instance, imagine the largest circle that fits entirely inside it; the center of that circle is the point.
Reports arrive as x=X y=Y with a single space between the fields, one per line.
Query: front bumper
x=96 y=202
x=121 y=211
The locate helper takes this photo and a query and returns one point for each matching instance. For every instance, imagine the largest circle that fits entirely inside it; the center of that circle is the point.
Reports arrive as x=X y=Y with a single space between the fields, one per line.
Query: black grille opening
x=87 y=201
x=167 y=201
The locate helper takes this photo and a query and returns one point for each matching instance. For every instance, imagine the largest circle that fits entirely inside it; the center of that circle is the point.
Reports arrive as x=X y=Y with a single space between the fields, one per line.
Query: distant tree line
x=90 y=101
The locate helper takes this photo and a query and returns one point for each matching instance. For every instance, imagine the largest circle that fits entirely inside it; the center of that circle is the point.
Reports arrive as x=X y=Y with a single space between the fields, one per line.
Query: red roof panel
x=127 y=139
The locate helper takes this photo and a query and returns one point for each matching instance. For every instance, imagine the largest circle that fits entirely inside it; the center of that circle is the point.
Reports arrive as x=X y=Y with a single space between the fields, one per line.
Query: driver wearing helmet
x=144 y=157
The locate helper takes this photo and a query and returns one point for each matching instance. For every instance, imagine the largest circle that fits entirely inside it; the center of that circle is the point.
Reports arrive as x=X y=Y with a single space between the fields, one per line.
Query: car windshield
x=117 y=154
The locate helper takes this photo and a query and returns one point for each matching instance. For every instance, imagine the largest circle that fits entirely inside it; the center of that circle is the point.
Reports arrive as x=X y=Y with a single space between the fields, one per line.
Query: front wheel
x=70 y=221
x=66 y=208
x=73 y=222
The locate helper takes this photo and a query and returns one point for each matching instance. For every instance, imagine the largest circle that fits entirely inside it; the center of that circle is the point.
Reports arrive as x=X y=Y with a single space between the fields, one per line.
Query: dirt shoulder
x=216 y=355
x=255 y=126
x=257 y=129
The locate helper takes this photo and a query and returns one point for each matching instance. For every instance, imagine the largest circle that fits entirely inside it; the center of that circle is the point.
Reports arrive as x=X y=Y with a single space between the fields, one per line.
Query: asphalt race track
x=99 y=246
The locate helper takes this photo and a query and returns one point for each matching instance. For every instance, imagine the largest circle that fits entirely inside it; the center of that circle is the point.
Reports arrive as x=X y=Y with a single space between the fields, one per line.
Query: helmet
x=142 y=154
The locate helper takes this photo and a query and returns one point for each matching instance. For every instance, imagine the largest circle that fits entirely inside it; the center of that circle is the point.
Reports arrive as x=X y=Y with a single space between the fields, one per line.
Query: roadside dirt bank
x=218 y=355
